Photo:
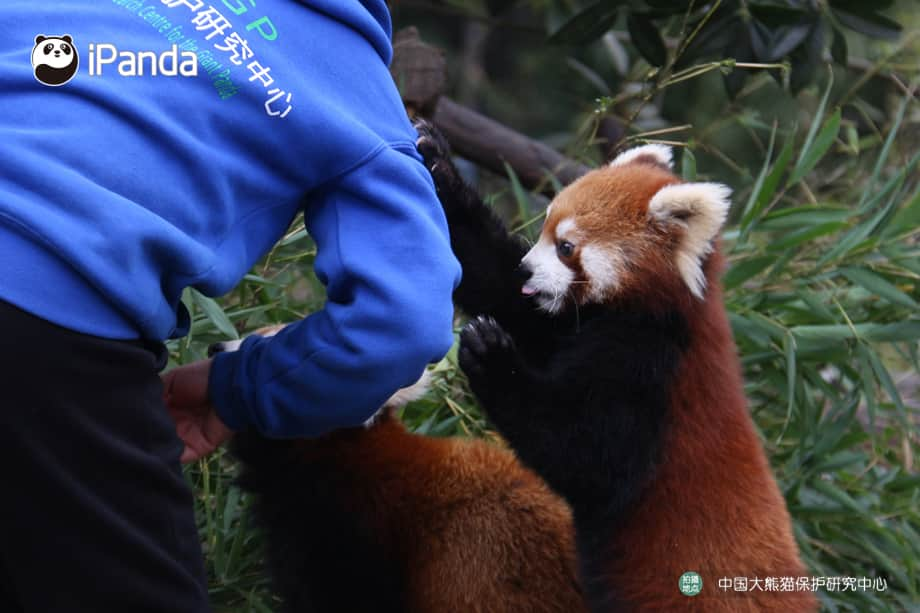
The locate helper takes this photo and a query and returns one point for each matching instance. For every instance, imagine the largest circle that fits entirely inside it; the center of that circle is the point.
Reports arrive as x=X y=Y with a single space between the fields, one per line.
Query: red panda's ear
x=700 y=209
x=659 y=155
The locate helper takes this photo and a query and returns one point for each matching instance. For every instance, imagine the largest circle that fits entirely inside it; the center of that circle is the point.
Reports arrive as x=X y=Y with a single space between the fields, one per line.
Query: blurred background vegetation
x=808 y=109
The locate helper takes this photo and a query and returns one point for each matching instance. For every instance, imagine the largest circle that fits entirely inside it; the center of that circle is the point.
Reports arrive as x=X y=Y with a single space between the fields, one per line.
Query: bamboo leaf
x=907 y=218
x=745 y=269
x=765 y=189
x=886 y=150
x=817 y=148
x=797 y=217
x=885 y=380
x=688 y=165
x=789 y=351
x=805 y=234
x=215 y=314
x=871 y=24
x=647 y=39
x=818 y=119
x=879 y=286
x=839 y=48
x=901 y=331
x=587 y=25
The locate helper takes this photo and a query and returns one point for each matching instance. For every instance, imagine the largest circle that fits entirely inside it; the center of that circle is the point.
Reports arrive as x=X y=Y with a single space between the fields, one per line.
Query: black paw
x=430 y=142
x=435 y=152
x=488 y=357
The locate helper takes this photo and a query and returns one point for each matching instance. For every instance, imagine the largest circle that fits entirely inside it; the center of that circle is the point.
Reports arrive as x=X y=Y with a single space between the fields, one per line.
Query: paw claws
x=483 y=334
x=430 y=143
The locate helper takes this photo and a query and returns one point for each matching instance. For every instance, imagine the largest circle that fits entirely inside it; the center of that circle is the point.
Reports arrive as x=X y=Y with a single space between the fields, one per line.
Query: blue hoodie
x=117 y=191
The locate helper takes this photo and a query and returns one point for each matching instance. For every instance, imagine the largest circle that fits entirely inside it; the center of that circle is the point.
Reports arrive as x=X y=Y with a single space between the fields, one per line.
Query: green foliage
x=751 y=32
x=820 y=320
x=233 y=550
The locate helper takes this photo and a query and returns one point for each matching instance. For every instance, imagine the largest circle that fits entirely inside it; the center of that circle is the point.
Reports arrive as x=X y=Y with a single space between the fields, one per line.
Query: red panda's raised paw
x=488 y=356
x=431 y=144
x=435 y=152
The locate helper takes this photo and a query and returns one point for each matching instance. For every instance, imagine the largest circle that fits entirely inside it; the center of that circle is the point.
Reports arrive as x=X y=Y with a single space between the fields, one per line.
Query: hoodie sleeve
x=383 y=253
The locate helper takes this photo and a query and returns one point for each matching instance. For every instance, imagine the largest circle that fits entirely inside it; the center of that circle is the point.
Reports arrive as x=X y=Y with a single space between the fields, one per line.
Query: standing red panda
x=604 y=356
x=379 y=519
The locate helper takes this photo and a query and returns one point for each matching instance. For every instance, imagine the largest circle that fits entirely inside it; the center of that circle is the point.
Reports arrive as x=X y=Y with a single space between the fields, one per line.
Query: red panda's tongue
x=528 y=291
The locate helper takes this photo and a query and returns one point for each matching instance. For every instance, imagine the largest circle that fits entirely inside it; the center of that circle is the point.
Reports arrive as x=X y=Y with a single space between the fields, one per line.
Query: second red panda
x=379 y=519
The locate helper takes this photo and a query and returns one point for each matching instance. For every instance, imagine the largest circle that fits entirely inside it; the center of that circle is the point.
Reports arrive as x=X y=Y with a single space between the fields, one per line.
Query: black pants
x=95 y=514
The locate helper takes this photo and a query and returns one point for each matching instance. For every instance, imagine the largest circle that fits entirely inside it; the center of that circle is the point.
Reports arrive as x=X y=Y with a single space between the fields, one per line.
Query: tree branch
x=420 y=72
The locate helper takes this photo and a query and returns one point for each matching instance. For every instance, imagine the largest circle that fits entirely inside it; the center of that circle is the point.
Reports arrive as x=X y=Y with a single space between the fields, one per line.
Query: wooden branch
x=420 y=72
x=490 y=144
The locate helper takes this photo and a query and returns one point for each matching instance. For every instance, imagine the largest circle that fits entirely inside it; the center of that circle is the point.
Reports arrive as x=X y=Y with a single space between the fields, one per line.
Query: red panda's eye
x=565 y=249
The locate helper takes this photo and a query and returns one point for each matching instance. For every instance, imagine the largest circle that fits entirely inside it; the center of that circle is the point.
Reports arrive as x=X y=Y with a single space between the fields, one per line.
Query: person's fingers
x=185 y=394
x=196 y=445
x=202 y=436
x=187 y=386
x=189 y=455
x=167 y=379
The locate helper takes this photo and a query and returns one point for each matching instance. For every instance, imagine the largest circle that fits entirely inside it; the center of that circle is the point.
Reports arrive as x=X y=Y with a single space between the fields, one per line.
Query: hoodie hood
x=370 y=18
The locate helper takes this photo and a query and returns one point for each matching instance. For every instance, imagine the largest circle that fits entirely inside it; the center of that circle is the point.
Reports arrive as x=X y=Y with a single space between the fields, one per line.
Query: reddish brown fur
x=713 y=505
x=476 y=531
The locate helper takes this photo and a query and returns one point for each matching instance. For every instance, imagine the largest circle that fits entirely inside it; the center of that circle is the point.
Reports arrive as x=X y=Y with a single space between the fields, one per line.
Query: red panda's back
x=473 y=529
x=495 y=539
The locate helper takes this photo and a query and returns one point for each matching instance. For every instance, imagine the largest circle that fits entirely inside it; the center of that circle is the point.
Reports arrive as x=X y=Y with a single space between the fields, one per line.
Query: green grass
x=822 y=292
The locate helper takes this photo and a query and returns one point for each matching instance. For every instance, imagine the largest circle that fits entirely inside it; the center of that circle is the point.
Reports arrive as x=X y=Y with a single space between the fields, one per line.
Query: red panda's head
x=629 y=229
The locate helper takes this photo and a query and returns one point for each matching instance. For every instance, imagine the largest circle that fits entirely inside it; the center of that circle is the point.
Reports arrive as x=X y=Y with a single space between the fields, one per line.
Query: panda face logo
x=54 y=59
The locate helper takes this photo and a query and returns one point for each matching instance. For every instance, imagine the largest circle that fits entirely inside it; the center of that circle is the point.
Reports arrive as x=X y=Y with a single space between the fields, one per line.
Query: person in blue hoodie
x=147 y=146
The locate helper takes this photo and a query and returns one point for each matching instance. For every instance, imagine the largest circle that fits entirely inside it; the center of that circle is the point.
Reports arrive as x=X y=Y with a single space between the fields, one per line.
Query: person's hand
x=185 y=393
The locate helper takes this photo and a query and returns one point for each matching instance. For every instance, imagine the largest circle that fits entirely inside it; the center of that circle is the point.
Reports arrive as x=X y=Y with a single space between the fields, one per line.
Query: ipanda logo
x=55 y=61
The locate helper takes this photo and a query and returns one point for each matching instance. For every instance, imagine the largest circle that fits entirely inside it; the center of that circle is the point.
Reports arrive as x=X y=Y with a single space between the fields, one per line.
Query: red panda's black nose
x=523 y=273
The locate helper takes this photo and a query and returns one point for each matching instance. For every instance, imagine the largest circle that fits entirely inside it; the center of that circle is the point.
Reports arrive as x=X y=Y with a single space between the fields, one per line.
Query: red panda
x=604 y=356
x=379 y=519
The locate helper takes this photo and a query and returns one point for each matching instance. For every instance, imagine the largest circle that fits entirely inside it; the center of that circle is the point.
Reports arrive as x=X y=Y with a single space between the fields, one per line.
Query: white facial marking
x=661 y=153
x=551 y=278
x=565 y=228
x=603 y=268
x=701 y=209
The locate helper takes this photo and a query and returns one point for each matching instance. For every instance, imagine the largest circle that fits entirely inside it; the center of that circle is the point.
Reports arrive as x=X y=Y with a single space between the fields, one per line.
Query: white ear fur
x=661 y=153
x=701 y=208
